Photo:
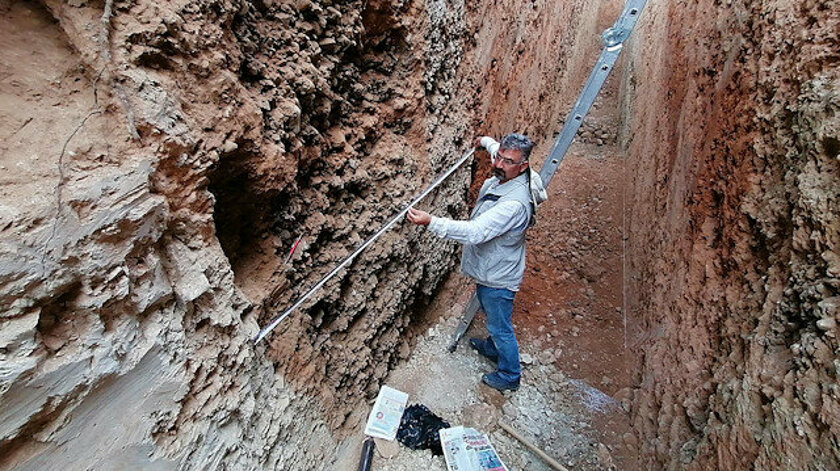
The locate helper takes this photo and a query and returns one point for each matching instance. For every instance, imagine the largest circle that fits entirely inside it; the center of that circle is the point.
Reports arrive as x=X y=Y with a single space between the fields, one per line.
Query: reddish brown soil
x=572 y=289
x=572 y=294
x=733 y=260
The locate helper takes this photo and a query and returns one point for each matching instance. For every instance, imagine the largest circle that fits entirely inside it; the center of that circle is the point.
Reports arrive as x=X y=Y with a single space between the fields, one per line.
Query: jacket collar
x=502 y=189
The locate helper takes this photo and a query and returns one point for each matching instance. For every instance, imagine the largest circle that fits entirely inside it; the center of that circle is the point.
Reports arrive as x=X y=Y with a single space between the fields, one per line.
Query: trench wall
x=159 y=159
x=731 y=113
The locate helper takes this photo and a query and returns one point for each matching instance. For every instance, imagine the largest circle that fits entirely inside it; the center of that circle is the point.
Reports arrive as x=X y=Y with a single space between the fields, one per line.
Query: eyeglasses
x=508 y=161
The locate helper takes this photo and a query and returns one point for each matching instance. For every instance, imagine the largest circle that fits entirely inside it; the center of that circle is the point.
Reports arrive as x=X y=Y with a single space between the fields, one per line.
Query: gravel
x=552 y=410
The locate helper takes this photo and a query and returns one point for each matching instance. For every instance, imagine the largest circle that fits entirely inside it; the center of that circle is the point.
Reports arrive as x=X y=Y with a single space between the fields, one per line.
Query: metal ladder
x=613 y=39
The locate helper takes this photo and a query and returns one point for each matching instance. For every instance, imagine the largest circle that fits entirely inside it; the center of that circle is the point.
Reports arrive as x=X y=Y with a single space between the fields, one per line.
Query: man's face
x=508 y=164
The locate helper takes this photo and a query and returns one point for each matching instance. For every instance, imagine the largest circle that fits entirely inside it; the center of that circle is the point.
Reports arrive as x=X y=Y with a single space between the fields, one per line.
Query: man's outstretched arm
x=497 y=220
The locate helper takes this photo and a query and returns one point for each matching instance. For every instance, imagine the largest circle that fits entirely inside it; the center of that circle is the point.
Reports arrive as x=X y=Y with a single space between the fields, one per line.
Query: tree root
x=105 y=53
x=59 y=189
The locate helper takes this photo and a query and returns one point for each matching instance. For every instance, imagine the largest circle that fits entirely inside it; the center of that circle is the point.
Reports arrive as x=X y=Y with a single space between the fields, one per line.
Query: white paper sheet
x=384 y=419
x=466 y=449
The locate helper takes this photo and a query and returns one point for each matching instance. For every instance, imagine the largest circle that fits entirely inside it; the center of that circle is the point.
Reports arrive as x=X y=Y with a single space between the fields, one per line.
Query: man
x=494 y=248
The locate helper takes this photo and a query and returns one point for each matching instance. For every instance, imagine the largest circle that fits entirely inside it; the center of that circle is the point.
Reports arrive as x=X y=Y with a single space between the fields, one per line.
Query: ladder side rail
x=613 y=38
x=573 y=123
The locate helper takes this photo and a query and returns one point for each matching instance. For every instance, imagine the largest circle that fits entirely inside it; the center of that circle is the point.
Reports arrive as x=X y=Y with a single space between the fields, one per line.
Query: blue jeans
x=497 y=304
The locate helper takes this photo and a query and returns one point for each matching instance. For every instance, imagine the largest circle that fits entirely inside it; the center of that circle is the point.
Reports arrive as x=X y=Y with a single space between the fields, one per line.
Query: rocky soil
x=554 y=411
x=159 y=159
x=732 y=133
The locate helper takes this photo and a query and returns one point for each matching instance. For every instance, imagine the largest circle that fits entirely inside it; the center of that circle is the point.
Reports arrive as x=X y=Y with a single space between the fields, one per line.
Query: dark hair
x=520 y=142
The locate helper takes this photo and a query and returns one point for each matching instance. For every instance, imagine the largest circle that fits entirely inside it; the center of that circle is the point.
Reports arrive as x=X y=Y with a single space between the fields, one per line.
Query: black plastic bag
x=419 y=429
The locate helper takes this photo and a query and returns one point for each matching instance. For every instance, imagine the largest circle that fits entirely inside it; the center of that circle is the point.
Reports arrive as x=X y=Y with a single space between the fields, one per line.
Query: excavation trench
x=160 y=159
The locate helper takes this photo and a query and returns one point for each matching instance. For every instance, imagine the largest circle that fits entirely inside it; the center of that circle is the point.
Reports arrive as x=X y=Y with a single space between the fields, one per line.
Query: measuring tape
x=267 y=329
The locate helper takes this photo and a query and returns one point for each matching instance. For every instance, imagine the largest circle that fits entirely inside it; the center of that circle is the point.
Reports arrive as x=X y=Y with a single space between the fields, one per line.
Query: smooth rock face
x=734 y=233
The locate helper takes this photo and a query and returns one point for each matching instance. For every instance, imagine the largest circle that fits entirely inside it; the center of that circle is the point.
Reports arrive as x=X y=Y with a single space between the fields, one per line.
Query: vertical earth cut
x=734 y=233
x=164 y=157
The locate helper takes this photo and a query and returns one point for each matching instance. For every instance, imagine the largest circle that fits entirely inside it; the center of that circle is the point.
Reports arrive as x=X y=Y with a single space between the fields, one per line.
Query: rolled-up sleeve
x=499 y=219
x=490 y=145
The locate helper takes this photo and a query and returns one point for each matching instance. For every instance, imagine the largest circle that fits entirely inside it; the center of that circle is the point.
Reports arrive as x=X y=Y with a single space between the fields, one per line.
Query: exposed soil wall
x=166 y=155
x=734 y=242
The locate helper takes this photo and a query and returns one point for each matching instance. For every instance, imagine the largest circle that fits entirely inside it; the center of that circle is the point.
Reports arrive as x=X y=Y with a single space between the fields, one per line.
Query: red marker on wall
x=294 y=247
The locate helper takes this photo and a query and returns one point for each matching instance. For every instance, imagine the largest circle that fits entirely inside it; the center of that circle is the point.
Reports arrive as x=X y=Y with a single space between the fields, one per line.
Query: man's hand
x=421 y=218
